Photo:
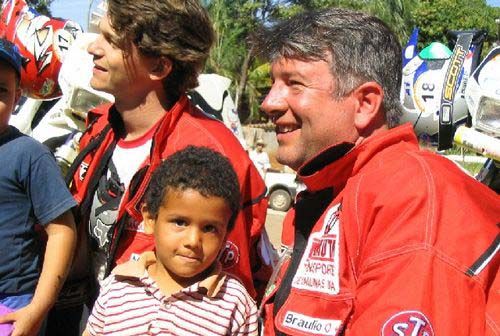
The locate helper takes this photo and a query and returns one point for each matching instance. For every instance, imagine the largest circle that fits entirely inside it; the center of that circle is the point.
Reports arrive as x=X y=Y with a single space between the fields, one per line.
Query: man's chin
x=288 y=159
x=96 y=85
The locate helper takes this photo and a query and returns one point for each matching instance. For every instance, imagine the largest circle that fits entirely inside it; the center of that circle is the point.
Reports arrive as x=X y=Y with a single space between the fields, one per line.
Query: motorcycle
x=452 y=97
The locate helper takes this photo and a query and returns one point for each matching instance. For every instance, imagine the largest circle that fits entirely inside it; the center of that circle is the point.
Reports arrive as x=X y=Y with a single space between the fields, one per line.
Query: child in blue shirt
x=32 y=191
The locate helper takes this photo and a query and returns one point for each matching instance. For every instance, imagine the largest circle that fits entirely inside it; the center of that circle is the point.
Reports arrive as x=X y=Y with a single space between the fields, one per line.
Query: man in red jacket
x=387 y=239
x=148 y=54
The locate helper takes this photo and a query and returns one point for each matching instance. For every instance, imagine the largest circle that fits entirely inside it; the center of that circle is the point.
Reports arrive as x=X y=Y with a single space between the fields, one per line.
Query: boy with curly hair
x=179 y=289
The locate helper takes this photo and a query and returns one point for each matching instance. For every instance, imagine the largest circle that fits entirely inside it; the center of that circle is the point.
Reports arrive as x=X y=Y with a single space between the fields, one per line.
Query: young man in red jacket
x=148 y=54
x=387 y=239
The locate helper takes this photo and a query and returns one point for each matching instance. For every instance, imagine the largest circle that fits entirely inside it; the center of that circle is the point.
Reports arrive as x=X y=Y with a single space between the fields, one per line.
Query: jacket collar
x=136 y=269
x=335 y=165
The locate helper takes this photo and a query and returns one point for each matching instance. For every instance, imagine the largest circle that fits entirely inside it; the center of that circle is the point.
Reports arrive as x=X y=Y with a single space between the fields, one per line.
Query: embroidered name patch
x=311 y=324
x=319 y=268
x=407 y=323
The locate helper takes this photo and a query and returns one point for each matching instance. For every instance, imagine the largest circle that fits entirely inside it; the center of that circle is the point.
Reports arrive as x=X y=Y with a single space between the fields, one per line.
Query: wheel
x=280 y=200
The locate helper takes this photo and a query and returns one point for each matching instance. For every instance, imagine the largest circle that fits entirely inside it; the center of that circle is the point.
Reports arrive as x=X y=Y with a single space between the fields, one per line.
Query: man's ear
x=369 y=113
x=149 y=220
x=160 y=68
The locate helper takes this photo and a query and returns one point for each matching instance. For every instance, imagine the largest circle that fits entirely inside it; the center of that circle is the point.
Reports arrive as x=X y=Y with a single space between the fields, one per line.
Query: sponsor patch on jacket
x=230 y=255
x=309 y=324
x=407 y=323
x=319 y=268
x=133 y=225
x=83 y=170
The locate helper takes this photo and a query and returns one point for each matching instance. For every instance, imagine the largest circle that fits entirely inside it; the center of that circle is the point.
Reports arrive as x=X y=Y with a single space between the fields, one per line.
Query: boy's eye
x=210 y=229
x=179 y=222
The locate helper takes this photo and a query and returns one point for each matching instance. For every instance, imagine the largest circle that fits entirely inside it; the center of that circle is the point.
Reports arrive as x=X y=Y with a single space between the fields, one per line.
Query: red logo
x=323 y=248
x=230 y=255
x=407 y=323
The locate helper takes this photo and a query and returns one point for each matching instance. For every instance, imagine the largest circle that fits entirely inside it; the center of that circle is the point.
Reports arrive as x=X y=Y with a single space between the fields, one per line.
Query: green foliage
x=435 y=17
x=236 y=20
x=396 y=13
x=259 y=81
x=42 y=6
x=472 y=167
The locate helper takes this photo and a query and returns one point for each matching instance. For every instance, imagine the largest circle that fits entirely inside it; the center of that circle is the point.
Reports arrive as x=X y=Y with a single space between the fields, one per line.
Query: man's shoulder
x=197 y=129
x=399 y=159
x=199 y=119
x=416 y=173
x=434 y=167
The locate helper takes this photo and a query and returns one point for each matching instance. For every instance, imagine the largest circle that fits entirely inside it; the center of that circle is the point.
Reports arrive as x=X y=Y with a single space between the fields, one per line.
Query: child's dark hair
x=198 y=168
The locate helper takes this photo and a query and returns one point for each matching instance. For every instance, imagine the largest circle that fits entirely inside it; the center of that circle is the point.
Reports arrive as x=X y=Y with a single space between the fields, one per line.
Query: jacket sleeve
x=427 y=262
x=418 y=293
x=261 y=252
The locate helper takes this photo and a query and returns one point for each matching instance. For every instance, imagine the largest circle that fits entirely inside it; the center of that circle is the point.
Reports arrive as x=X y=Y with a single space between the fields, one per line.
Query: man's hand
x=27 y=321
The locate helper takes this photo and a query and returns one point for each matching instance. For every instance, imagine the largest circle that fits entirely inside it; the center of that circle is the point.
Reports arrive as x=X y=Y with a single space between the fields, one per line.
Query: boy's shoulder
x=120 y=284
x=233 y=288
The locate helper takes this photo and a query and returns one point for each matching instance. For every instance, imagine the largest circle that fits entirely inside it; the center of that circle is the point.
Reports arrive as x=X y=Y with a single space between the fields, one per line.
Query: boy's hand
x=27 y=321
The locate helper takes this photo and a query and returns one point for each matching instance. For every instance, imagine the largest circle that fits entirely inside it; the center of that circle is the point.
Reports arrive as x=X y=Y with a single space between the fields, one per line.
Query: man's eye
x=113 y=41
x=295 y=85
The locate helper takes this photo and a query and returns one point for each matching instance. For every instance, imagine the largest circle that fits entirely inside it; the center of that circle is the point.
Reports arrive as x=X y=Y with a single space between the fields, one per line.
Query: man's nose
x=275 y=101
x=94 y=48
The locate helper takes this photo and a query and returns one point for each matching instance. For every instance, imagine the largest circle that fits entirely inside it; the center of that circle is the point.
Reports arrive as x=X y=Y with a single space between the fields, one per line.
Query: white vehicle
x=282 y=189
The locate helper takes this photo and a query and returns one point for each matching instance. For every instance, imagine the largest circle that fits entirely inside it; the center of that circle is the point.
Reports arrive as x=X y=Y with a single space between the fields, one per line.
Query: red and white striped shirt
x=134 y=305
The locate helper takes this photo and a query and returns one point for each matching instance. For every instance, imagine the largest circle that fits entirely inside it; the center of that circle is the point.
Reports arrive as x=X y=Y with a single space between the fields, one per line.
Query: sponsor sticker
x=407 y=323
x=135 y=256
x=427 y=92
x=319 y=268
x=309 y=324
x=230 y=255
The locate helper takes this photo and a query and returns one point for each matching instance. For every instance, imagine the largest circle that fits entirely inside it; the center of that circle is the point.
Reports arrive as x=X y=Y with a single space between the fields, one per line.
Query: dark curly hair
x=179 y=30
x=198 y=168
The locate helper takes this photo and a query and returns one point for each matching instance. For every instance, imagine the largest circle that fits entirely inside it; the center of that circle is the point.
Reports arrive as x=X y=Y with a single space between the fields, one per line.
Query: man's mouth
x=97 y=67
x=281 y=129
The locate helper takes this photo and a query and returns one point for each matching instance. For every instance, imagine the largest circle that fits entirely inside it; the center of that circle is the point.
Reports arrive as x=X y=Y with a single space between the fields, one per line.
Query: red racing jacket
x=181 y=126
x=388 y=239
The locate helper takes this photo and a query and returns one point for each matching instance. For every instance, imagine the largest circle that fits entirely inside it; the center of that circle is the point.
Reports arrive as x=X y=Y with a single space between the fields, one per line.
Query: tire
x=280 y=200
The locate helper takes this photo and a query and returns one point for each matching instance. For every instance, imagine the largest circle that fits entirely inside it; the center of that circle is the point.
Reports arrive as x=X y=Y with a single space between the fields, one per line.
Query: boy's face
x=9 y=93
x=189 y=232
